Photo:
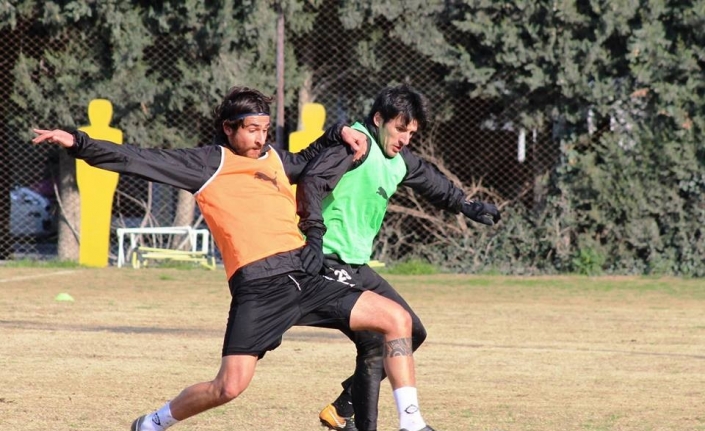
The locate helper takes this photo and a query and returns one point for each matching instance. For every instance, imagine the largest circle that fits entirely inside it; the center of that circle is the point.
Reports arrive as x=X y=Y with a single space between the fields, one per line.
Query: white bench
x=135 y=232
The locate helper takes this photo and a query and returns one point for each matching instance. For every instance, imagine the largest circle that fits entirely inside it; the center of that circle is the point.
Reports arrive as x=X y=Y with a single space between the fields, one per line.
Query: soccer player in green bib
x=341 y=205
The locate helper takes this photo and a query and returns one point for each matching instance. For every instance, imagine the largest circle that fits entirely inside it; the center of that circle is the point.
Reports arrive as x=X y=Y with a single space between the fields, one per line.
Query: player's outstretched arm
x=425 y=178
x=59 y=137
x=184 y=168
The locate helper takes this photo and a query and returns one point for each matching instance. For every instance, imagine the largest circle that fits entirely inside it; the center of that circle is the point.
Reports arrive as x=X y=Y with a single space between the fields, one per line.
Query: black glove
x=481 y=212
x=312 y=254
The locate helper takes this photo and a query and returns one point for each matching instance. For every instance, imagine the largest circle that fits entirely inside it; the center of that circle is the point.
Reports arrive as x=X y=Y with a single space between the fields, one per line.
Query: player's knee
x=230 y=390
x=400 y=319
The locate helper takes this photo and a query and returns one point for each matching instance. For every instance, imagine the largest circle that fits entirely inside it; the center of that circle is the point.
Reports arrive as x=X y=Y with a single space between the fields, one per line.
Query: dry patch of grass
x=503 y=353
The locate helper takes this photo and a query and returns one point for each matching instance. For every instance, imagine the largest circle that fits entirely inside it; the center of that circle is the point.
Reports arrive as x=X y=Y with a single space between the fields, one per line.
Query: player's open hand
x=356 y=140
x=59 y=137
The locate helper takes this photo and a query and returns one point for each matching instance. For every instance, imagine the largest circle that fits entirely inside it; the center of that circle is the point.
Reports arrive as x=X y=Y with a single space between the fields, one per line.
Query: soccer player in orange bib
x=243 y=188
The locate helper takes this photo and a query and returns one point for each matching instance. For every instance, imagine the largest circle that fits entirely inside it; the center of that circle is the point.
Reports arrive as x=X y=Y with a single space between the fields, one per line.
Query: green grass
x=411 y=267
x=568 y=285
x=568 y=353
x=173 y=264
x=30 y=263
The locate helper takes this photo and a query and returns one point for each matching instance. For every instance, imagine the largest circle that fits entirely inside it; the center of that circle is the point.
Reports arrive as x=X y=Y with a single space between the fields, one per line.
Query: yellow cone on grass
x=65 y=297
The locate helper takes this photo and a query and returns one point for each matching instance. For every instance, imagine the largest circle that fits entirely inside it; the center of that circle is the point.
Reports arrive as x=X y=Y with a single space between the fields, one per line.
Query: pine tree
x=628 y=187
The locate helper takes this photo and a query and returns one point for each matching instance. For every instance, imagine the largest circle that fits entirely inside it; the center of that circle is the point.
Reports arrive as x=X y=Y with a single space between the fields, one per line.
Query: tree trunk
x=305 y=94
x=185 y=205
x=69 y=210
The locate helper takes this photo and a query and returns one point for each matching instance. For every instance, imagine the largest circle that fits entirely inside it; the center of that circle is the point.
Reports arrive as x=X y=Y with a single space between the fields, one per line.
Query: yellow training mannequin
x=313 y=117
x=96 y=188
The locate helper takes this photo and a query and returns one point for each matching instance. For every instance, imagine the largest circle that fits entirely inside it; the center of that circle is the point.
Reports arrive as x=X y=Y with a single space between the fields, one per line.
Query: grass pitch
x=503 y=353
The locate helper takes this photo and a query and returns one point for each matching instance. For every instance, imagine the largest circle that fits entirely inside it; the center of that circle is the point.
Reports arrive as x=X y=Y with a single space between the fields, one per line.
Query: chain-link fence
x=478 y=143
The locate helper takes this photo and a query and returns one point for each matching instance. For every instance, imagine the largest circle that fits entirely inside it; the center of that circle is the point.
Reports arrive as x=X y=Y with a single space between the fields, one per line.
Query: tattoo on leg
x=398 y=347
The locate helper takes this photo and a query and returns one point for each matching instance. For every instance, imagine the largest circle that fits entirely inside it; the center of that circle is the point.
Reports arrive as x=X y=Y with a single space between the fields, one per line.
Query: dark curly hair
x=239 y=101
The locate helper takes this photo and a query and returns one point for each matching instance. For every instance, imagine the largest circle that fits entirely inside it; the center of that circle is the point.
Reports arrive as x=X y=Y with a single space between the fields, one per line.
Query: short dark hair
x=400 y=100
x=239 y=101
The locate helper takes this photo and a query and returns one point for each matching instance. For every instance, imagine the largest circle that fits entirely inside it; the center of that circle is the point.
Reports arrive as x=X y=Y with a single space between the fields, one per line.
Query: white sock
x=408 y=408
x=159 y=420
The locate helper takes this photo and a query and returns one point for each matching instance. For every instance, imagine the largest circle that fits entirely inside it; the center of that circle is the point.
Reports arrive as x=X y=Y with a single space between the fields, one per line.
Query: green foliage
x=634 y=188
x=521 y=244
x=588 y=262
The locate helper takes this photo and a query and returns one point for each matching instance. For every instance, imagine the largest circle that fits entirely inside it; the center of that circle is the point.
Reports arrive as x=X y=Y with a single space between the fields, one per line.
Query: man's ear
x=377 y=119
x=228 y=129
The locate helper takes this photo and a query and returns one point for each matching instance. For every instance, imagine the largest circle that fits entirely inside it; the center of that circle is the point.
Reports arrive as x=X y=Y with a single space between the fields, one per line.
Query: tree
x=162 y=65
x=628 y=189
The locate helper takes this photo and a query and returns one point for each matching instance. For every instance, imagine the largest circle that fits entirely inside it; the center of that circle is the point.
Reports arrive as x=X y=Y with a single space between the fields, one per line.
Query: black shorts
x=262 y=310
x=362 y=277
